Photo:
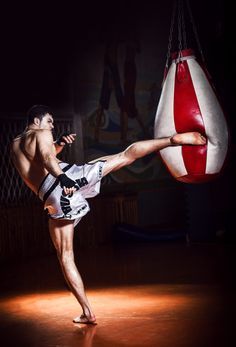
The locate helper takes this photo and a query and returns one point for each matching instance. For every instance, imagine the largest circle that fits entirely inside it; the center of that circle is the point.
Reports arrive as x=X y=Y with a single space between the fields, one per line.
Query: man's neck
x=31 y=127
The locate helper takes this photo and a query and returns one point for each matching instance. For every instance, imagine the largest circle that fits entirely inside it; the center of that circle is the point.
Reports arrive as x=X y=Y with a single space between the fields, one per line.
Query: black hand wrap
x=60 y=139
x=65 y=181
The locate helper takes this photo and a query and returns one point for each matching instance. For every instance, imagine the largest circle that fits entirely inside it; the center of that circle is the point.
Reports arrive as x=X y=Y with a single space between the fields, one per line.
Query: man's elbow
x=48 y=158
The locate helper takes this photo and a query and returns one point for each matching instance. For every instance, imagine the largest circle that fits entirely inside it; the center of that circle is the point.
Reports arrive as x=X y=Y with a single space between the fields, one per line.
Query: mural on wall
x=121 y=110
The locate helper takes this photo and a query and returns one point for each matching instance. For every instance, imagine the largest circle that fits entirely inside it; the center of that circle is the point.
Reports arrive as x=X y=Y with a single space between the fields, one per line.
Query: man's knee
x=116 y=162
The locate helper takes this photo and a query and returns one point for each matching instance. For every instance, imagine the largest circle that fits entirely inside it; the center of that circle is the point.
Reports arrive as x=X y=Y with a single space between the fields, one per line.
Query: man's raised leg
x=62 y=233
x=141 y=148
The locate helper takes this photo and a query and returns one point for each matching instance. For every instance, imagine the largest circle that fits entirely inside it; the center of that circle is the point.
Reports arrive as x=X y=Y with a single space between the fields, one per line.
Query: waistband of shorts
x=55 y=183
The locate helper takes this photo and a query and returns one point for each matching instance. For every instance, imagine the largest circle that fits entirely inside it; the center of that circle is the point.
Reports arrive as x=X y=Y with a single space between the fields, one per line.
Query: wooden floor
x=153 y=295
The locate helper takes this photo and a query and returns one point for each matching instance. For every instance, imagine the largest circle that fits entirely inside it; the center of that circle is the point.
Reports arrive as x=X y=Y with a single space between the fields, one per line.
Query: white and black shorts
x=71 y=207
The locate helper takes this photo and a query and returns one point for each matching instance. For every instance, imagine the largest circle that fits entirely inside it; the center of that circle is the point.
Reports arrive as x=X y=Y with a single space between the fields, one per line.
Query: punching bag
x=188 y=103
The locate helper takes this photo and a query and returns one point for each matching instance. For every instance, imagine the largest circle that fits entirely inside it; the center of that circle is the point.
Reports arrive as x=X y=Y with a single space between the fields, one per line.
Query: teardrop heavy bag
x=188 y=103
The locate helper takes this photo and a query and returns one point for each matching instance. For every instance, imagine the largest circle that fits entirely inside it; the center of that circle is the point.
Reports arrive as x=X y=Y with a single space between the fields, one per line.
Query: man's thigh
x=61 y=232
x=113 y=162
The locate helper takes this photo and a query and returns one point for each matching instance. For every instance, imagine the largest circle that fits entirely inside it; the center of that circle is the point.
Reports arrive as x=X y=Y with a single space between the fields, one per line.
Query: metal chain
x=195 y=31
x=183 y=25
x=171 y=33
x=179 y=5
x=179 y=27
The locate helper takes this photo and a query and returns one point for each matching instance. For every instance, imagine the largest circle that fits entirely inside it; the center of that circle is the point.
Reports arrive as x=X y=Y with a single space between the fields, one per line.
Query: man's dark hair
x=38 y=111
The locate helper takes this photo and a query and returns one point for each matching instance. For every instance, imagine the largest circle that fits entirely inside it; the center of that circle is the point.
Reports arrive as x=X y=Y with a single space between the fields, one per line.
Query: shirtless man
x=64 y=188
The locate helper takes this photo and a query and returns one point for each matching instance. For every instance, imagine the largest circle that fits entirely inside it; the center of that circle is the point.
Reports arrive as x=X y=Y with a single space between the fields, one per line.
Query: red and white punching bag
x=188 y=103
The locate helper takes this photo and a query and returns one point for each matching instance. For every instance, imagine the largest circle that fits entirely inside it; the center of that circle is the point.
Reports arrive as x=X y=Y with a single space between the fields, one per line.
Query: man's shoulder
x=43 y=133
x=43 y=136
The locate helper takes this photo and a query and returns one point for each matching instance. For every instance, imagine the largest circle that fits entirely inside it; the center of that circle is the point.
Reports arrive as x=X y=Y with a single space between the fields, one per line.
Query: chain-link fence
x=13 y=190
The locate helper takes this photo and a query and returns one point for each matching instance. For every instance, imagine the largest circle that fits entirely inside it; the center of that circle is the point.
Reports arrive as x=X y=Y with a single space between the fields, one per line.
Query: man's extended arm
x=64 y=139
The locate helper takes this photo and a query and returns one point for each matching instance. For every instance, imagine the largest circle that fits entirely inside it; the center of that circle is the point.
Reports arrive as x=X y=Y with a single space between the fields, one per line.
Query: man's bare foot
x=85 y=320
x=191 y=138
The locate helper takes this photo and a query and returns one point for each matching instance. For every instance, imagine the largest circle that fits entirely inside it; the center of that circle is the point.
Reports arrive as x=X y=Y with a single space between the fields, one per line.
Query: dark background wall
x=43 y=45
x=50 y=53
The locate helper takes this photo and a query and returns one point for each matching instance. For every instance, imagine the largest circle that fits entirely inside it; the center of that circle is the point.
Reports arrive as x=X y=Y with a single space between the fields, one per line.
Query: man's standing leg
x=62 y=234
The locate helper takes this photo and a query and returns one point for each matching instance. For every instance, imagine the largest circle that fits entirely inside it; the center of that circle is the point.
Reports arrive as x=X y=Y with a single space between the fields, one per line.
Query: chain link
x=179 y=7
x=171 y=34
x=183 y=25
x=181 y=29
x=179 y=26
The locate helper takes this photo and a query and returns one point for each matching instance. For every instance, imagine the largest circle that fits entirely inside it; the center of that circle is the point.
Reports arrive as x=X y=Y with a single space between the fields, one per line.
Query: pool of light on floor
x=126 y=315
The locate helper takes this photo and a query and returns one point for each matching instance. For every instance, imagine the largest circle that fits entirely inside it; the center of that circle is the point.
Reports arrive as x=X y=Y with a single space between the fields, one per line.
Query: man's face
x=46 y=122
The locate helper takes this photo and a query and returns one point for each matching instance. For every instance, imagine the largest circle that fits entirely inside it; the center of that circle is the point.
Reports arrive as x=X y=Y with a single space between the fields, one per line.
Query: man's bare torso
x=27 y=160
